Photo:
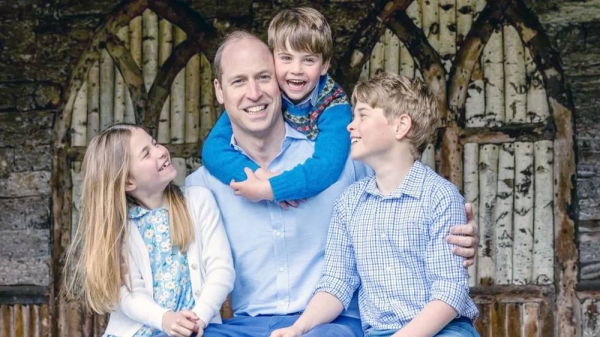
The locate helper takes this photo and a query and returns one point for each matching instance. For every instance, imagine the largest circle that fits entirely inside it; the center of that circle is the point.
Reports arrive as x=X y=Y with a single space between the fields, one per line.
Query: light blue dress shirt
x=277 y=253
x=393 y=249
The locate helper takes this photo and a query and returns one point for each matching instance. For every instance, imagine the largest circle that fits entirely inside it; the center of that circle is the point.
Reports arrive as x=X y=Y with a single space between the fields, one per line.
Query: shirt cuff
x=337 y=288
x=451 y=293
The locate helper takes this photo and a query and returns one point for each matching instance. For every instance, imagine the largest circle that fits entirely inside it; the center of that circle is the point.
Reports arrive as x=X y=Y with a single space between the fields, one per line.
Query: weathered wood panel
x=21 y=320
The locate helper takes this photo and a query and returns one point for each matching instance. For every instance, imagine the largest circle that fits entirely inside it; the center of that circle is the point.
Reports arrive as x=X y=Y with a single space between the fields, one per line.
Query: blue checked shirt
x=393 y=249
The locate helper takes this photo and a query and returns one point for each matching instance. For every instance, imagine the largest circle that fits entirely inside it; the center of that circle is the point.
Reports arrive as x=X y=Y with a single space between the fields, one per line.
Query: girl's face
x=150 y=169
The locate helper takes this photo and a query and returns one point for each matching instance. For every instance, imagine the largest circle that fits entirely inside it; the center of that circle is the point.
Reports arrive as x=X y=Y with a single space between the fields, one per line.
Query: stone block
x=25 y=243
x=25 y=213
x=33 y=158
x=25 y=184
x=31 y=128
x=7 y=161
x=24 y=270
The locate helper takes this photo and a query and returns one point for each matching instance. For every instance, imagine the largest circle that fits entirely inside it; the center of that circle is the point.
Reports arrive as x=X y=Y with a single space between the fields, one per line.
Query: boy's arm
x=449 y=281
x=327 y=162
x=221 y=160
x=338 y=283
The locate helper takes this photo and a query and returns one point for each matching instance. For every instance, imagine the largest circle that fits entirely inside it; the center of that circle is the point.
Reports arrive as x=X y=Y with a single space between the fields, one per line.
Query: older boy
x=387 y=232
x=313 y=104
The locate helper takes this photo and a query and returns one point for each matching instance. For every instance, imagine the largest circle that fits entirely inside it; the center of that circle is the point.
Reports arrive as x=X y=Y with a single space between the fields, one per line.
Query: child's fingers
x=190 y=315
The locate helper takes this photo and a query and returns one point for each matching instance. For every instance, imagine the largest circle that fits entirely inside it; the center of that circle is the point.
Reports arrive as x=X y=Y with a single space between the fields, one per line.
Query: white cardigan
x=209 y=260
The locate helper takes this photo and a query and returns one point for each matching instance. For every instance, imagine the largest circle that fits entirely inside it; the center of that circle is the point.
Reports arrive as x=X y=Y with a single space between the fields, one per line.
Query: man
x=277 y=253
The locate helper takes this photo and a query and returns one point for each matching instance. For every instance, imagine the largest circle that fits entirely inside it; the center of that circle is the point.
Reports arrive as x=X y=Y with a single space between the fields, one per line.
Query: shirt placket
x=282 y=263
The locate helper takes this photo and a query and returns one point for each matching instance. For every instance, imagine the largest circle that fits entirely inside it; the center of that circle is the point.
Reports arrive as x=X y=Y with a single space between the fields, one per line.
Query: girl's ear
x=403 y=124
x=129 y=185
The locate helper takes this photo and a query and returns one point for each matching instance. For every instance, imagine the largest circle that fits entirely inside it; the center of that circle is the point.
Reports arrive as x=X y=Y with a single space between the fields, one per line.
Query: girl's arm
x=138 y=303
x=327 y=162
x=221 y=160
x=216 y=257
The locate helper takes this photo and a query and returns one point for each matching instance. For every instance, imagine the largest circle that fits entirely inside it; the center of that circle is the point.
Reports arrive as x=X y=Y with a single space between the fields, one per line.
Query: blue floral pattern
x=172 y=287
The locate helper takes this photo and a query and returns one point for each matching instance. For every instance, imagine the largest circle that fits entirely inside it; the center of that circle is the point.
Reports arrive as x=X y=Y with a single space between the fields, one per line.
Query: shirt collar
x=136 y=211
x=310 y=99
x=412 y=185
x=290 y=134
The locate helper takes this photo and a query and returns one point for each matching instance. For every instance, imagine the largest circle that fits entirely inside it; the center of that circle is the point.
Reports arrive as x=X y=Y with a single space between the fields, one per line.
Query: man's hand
x=291 y=203
x=180 y=324
x=253 y=188
x=466 y=238
x=291 y=331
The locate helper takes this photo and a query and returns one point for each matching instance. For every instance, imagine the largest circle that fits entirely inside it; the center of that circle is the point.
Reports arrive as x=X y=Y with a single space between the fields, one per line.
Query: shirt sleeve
x=340 y=276
x=138 y=304
x=217 y=262
x=449 y=279
x=220 y=158
x=332 y=146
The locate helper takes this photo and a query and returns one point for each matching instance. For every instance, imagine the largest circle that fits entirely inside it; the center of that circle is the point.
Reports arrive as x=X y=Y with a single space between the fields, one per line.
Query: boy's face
x=372 y=136
x=298 y=72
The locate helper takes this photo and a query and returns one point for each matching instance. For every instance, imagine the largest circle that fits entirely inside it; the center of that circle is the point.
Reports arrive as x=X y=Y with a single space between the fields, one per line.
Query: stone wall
x=41 y=41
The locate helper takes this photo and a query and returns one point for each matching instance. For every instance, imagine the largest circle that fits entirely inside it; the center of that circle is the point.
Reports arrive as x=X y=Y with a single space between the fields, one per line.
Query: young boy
x=387 y=231
x=313 y=104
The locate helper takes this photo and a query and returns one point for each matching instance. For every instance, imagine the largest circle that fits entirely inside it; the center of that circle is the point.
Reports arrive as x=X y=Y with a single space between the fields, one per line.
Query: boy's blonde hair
x=93 y=268
x=305 y=28
x=397 y=95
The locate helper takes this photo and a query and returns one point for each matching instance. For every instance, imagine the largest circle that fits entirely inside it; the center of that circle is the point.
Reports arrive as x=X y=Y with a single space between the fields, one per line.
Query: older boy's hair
x=305 y=28
x=235 y=35
x=397 y=95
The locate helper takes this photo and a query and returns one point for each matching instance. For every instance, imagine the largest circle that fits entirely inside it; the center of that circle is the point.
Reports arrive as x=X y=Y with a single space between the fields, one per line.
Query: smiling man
x=277 y=253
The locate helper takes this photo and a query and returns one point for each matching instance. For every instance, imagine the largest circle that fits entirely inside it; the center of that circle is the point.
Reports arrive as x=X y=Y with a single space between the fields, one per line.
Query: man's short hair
x=306 y=30
x=233 y=36
x=397 y=95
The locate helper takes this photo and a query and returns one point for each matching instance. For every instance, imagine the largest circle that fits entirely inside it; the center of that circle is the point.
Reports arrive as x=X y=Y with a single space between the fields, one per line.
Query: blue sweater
x=332 y=145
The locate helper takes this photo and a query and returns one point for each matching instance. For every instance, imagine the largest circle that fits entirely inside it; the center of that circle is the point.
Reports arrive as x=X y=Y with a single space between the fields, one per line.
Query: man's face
x=248 y=88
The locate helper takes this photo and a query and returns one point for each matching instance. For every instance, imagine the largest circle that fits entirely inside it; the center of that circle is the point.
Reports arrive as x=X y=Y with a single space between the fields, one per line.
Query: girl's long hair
x=97 y=260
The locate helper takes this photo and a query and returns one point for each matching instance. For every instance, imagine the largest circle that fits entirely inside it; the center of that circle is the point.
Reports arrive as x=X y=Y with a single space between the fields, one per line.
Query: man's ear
x=325 y=67
x=403 y=124
x=218 y=91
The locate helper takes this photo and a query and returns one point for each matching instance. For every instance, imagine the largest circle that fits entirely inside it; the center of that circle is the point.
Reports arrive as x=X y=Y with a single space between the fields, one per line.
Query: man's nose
x=253 y=91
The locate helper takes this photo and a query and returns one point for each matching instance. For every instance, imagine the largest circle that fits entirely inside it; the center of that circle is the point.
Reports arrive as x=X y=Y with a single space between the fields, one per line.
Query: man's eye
x=265 y=77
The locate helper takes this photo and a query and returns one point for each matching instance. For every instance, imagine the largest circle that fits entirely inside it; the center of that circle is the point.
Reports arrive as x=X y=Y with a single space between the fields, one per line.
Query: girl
x=156 y=259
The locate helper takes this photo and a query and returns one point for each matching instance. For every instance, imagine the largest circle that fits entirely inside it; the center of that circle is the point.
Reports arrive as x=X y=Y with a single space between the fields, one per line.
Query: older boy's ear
x=403 y=124
x=218 y=91
x=325 y=68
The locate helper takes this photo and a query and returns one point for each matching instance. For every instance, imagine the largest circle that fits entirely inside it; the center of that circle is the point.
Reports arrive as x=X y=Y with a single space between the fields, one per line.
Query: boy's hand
x=293 y=203
x=253 y=188
x=291 y=331
x=466 y=238
x=179 y=324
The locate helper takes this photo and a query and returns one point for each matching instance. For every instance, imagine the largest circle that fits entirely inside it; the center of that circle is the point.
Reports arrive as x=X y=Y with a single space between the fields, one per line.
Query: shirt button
x=197 y=293
x=383 y=236
x=277 y=233
x=194 y=266
x=388 y=268
x=281 y=269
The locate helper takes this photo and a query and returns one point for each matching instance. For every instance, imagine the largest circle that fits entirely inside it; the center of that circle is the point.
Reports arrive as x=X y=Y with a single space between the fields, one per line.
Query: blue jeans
x=262 y=326
x=460 y=327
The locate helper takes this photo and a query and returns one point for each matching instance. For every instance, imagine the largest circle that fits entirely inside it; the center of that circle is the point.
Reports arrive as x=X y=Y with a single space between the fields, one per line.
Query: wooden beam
x=509 y=133
x=24 y=295
x=368 y=32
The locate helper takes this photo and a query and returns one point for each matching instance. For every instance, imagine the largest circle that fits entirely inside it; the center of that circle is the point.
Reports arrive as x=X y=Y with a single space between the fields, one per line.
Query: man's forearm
x=322 y=308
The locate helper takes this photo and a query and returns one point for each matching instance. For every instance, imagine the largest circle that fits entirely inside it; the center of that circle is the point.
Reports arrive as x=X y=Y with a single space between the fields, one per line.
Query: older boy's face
x=372 y=136
x=248 y=88
x=298 y=72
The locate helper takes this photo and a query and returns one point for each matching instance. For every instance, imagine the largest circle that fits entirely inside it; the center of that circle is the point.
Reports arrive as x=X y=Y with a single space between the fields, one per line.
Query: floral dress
x=172 y=288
